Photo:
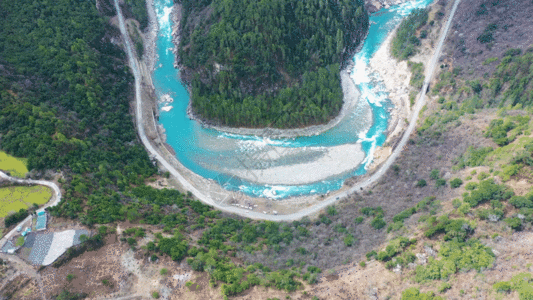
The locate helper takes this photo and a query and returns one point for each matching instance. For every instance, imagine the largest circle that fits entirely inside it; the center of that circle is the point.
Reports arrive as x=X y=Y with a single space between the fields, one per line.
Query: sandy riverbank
x=150 y=37
x=325 y=162
x=395 y=76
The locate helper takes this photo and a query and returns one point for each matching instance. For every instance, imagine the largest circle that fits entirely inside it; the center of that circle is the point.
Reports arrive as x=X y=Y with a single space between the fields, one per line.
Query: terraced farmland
x=16 y=197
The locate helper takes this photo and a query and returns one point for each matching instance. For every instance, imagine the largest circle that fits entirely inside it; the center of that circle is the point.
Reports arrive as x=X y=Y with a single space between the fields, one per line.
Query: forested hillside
x=64 y=94
x=268 y=63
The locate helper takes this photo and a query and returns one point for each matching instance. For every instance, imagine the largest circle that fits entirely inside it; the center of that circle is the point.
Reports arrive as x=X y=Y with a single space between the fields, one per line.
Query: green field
x=16 y=166
x=16 y=197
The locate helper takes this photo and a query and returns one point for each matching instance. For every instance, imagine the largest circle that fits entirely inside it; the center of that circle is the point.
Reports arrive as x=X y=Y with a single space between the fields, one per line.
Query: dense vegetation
x=406 y=41
x=268 y=63
x=64 y=94
x=54 y=111
x=16 y=217
x=139 y=11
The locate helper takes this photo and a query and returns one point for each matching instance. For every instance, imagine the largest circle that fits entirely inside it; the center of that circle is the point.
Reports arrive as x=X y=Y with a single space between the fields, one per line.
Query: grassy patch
x=521 y=283
x=417 y=74
x=455 y=256
x=15 y=166
x=505 y=154
x=16 y=197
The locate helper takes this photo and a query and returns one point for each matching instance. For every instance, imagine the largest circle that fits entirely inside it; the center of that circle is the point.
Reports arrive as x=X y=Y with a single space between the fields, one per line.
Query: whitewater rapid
x=273 y=167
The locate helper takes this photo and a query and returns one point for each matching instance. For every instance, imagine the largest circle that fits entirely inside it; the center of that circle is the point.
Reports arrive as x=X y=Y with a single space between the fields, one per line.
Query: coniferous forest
x=268 y=63
x=64 y=101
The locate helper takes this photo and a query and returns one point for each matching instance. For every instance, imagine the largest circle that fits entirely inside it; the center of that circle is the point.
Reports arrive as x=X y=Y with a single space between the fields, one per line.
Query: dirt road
x=307 y=211
x=56 y=198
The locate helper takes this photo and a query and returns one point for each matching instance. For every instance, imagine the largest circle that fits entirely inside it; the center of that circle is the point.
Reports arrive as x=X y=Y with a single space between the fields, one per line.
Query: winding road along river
x=267 y=165
x=307 y=211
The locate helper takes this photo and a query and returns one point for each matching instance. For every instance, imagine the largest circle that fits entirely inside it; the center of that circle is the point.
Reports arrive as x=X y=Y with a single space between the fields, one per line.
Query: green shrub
x=301 y=250
x=473 y=157
x=176 y=247
x=482 y=176
x=484 y=214
x=510 y=170
x=348 y=240
x=471 y=186
x=444 y=287
x=339 y=228
x=455 y=256
x=425 y=203
x=362 y=264
x=155 y=295
x=496 y=204
x=372 y=211
x=395 y=226
x=515 y=223
x=502 y=286
x=314 y=269
x=455 y=183
x=332 y=210
x=83 y=238
x=394 y=248
x=490 y=60
x=131 y=241
x=453 y=229
x=413 y=293
x=435 y=172
x=378 y=223
x=404 y=215
x=464 y=208
x=487 y=35
x=16 y=217
x=456 y=203
x=359 y=220
x=417 y=74
x=325 y=220
x=522 y=283
x=163 y=272
x=421 y=183
x=440 y=182
x=521 y=201
x=371 y=254
x=487 y=191
x=70 y=277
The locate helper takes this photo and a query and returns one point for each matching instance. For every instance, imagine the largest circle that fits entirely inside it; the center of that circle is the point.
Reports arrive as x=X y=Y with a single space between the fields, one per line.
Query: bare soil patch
x=89 y=271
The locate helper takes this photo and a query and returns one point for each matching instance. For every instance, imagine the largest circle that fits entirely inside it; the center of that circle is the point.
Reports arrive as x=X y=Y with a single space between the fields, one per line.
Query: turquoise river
x=210 y=153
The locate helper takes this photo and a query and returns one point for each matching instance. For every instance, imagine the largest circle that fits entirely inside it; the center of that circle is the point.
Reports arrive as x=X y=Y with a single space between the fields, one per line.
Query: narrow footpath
x=304 y=212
